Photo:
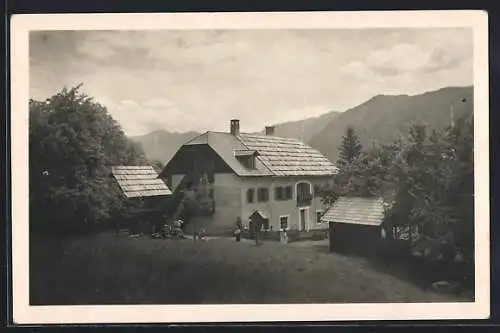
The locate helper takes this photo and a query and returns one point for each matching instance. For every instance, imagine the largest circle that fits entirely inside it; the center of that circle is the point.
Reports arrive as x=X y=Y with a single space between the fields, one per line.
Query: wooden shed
x=356 y=225
x=148 y=193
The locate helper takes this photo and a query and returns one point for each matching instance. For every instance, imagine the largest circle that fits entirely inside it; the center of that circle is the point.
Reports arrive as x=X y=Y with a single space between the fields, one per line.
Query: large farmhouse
x=248 y=175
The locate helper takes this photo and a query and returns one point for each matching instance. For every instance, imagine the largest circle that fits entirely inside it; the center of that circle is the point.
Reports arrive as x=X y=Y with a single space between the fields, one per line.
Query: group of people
x=175 y=230
x=255 y=228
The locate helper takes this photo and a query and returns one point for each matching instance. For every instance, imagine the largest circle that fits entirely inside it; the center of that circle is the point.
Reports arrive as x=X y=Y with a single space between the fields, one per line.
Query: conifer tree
x=350 y=149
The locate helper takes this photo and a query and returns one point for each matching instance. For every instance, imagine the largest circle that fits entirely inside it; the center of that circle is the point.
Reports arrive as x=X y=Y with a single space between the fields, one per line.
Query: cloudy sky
x=198 y=80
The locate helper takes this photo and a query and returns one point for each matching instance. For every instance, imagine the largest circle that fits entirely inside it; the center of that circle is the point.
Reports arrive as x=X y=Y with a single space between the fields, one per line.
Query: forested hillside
x=383 y=118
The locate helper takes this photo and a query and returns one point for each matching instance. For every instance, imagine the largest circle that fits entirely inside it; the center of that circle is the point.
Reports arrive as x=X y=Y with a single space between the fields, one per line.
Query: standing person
x=238 y=229
x=283 y=234
x=178 y=229
x=258 y=226
x=251 y=228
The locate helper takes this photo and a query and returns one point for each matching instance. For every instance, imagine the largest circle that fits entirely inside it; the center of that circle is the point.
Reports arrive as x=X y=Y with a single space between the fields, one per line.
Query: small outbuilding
x=147 y=195
x=261 y=218
x=356 y=224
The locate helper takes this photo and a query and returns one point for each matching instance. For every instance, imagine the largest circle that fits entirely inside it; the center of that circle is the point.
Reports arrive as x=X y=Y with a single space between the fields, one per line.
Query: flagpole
x=452 y=116
x=304 y=102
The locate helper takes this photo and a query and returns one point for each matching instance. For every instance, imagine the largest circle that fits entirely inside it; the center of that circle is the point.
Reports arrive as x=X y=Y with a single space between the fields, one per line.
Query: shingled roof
x=275 y=156
x=356 y=210
x=139 y=181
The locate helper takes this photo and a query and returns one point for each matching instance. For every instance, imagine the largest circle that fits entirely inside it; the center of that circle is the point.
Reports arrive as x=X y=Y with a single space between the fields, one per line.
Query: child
x=201 y=234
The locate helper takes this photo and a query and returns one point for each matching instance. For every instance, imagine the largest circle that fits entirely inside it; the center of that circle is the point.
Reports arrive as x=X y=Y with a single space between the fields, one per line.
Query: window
x=304 y=194
x=250 y=162
x=317 y=190
x=319 y=214
x=279 y=193
x=262 y=194
x=250 y=195
x=288 y=193
x=284 y=222
x=247 y=161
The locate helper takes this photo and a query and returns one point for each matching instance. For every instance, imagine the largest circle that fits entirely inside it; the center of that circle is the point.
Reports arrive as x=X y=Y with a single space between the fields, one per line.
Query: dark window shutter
x=250 y=195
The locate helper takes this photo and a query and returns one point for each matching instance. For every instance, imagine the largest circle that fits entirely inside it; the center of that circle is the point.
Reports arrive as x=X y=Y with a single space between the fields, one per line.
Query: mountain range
x=161 y=145
x=383 y=117
x=379 y=119
x=304 y=129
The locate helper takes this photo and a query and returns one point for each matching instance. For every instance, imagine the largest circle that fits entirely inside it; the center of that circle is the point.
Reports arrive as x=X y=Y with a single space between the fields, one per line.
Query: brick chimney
x=270 y=130
x=235 y=127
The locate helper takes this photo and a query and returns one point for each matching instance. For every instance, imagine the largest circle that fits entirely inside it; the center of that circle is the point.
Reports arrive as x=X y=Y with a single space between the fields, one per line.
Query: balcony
x=304 y=200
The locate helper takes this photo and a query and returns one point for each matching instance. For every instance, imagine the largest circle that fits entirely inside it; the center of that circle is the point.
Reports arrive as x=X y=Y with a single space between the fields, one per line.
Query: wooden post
x=330 y=238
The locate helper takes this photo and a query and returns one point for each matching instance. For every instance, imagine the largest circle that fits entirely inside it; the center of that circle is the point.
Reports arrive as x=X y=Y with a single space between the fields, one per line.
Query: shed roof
x=139 y=181
x=356 y=210
x=262 y=214
x=275 y=156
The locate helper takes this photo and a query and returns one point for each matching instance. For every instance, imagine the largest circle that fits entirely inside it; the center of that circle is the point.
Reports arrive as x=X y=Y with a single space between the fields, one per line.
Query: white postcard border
x=23 y=313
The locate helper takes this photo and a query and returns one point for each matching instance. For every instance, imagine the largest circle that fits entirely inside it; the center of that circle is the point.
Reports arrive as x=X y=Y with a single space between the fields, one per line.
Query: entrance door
x=302 y=219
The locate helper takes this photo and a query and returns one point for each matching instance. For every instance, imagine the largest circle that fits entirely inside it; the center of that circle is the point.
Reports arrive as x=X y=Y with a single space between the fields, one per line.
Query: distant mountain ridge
x=304 y=129
x=379 y=119
x=383 y=117
x=161 y=145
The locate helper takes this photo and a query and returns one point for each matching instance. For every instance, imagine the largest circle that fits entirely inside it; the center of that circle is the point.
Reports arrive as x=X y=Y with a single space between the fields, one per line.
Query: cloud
x=199 y=79
x=95 y=50
x=159 y=103
x=140 y=119
x=403 y=58
x=397 y=59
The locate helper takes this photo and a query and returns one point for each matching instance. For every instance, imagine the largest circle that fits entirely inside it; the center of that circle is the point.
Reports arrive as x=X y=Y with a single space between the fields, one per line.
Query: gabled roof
x=139 y=181
x=356 y=210
x=275 y=156
x=288 y=157
x=262 y=214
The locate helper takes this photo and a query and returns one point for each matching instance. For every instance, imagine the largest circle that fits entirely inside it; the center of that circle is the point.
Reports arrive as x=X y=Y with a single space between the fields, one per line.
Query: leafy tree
x=204 y=201
x=428 y=179
x=434 y=180
x=157 y=165
x=73 y=142
x=350 y=149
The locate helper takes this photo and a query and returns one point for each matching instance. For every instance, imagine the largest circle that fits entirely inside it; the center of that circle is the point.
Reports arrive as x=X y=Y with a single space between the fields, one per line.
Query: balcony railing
x=304 y=200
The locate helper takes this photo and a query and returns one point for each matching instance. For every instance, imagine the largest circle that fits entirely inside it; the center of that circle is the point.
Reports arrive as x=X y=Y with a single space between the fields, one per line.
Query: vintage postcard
x=250 y=167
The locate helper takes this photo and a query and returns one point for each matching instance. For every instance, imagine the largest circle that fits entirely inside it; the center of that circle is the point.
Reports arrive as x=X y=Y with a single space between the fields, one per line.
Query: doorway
x=303 y=219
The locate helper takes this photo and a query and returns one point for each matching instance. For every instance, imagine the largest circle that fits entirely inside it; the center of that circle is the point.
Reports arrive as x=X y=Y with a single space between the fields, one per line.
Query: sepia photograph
x=230 y=163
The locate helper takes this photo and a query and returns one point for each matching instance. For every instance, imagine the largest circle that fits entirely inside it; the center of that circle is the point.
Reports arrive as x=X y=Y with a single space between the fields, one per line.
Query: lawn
x=112 y=269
